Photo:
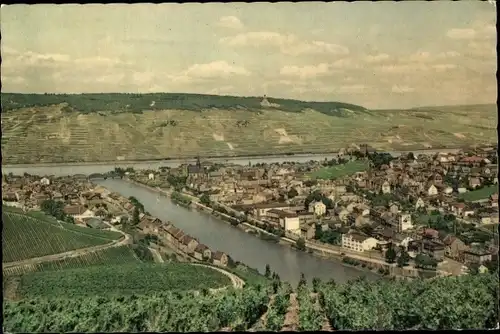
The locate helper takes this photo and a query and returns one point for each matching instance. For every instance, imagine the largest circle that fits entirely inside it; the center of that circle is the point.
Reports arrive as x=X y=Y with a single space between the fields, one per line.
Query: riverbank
x=262 y=234
x=182 y=160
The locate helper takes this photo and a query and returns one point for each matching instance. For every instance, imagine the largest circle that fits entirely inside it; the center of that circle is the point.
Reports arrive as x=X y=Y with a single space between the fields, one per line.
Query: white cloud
x=231 y=22
x=304 y=72
x=402 y=89
x=376 y=58
x=420 y=56
x=403 y=68
x=448 y=54
x=444 y=67
x=344 y=63
x=221 y=90
x=216 y=69
x=465 y=33
x=288 y=44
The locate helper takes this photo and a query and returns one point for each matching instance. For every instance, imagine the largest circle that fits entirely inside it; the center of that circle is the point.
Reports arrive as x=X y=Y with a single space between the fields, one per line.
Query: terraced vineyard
x=470 y=301
x=121 y=279
x=109 y=256
x=25 y=237
x=64 y=128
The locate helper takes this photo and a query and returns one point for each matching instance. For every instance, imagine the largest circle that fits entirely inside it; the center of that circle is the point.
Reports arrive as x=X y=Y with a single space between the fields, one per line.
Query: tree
x=316 y=282
x=135 y=216
x=410 y=156
x=403 y=259
x=425 y=262
x=292 y=193
x=205 y=200
x=390 y=255
x=301 y=244
x=268 y=271
x=302 y=282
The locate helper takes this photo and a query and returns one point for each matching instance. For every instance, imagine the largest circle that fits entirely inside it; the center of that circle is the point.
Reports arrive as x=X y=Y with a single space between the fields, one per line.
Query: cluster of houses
x=80 y=198
x=274 y=194
x=175 y=238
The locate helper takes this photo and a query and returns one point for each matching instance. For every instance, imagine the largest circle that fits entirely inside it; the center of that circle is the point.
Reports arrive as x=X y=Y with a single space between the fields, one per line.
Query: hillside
x=110 y=127
x=470 y=302
x=25 y=237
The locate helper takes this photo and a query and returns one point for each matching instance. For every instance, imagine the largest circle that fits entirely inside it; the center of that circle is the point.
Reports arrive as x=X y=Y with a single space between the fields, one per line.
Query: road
x=237 y=282
x=74 y=253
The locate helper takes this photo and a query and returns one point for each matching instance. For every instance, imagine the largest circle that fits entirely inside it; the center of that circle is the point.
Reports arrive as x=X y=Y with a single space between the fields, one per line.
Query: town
x=434 y=212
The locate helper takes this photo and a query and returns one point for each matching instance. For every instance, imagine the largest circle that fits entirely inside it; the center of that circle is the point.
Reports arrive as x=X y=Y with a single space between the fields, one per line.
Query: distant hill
x=110 y=127
x=136 y=103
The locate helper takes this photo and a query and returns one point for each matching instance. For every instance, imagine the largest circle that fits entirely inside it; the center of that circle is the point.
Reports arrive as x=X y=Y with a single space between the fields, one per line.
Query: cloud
x=420 y=56
x=465 y=33
x=403 y=68
x=402 y=89
x=444 y=67
x=230 y=22
x=448 y=54
x=288 y=44
x=376 y=58
x=304 y=72
x=216 y=69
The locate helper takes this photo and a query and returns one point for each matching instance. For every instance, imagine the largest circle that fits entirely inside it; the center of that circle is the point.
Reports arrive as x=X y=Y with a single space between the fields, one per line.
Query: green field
x=25 y=237
x=64 y=128
x=477 y=195
x=109 y=256
x=339 y=171
x=121 y=279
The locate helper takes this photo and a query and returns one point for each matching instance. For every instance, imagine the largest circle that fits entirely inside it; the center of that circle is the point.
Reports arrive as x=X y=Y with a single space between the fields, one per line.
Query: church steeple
x=198 y=162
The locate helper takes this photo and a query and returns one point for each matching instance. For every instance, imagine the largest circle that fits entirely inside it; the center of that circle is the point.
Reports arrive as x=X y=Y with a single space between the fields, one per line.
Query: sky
x=374 y=54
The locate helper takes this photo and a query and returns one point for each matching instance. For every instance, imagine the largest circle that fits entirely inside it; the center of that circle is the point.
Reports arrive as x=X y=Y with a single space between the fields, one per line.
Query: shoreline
x=181 y=160
x=257 y=232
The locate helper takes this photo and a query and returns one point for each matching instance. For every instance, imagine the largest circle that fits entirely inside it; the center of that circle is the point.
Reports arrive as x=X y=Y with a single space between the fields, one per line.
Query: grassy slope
x=25 y=237
x=121 y=280
x=338 y=171
x=56 y=128
x=480 y=194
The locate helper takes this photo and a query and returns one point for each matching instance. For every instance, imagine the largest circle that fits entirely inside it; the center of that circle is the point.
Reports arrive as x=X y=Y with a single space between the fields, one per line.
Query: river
x=252 y=251
x=101 y=168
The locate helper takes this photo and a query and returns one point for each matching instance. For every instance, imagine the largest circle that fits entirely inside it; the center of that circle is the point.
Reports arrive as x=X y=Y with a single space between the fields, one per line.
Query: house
x=494 y=200
x=474 y=182
x=404 y=222
x=260 y=210
x=358 y=242
x=10 y=197
x=448 y=190
x=151 y=176
x=386 y=187
x=95 y=223
x=308 y=231
x=317 y=207
x=188 y=244
x=202 y=252
x=220 y=259
x=458 y=208
x=431 y=247
x=45 y=181
x=74 y=210
x=454 y=247
x=419 y=204
x=394 y=208
x=489 y=218
x=432 y=190
x=478 y=256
